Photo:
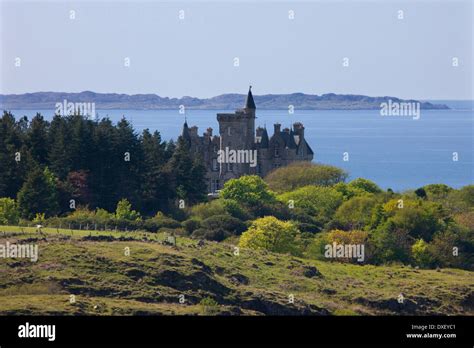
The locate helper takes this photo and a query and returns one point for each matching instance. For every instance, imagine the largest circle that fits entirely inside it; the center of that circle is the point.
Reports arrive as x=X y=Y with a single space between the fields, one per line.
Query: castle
x=240 y=149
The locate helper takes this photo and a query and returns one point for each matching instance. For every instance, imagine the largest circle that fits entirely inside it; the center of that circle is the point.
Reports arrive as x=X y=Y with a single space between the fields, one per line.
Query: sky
x=137 y=47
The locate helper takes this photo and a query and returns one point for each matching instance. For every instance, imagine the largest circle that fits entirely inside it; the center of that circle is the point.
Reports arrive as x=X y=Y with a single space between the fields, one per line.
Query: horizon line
x=227 y=93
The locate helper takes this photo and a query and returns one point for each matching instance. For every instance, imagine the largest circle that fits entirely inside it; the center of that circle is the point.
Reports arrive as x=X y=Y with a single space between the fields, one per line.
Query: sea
x=397 y=152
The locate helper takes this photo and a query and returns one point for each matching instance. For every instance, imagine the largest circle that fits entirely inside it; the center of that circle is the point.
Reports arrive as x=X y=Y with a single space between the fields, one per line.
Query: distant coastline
x=110 y=101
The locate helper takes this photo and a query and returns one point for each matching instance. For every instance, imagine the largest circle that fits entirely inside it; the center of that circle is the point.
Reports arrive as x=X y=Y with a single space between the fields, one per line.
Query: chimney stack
x=276 y=127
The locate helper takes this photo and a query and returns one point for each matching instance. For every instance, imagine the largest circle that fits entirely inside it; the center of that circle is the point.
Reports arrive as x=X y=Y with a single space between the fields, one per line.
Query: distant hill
x=331 y=101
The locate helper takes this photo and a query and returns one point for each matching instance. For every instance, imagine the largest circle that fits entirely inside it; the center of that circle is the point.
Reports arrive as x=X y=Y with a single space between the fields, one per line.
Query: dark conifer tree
x=187 y=173
x=38 y=194
x=155 y=188
x=59 y=156
x=13 y=154
x=37 y=139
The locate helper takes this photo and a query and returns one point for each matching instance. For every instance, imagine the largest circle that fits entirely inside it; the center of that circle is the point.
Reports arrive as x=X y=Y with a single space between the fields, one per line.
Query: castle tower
x=237 y=132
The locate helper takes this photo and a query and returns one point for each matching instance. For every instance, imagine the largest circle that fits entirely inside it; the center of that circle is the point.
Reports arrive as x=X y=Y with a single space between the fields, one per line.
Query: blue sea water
x=396 y=152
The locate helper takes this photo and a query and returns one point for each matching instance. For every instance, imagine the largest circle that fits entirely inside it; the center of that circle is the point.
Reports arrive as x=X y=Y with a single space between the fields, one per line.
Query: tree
x=466 y=194
x=14 y=155
x=59 y=155
x=155 y=190
x=78 y=181
x=300 y=174
x=269 y=233
x=421 y=193
x=124 y=211
x=249 y=190
x=37 y=139
x=105 y=177
x=188 y=174
x=437 y=191
x=38 y=194
x=129 y=156
x=9 y=213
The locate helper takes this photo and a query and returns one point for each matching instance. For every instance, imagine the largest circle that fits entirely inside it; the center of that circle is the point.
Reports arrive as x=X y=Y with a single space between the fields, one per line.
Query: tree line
x=54 y=167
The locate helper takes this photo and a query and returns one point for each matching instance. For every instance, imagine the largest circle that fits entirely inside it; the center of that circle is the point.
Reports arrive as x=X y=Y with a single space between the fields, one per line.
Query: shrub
x=191 y=225
x=421 y=254
x=316 y=201
x=124 y=211
x=466 y=194
x=420 y=218
x=466 y=220
x=9 y=213
x=356 y=213
x=437 y=191
x=350 y=237
x=219 y=227
x=204 y=210
x=217 y=235
x=159 y=221
x=364 y=185
x=453 y=247
x=349 y=191
x=390 y=243
x=209 y=306
x=269 y=233
x=233 y=208
x=224 y=222
x=316 y=248
x=300 y=174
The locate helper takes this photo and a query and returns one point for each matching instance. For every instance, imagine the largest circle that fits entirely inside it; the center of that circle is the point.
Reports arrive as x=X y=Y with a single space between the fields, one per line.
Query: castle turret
x=185 y=133
x=249 y=102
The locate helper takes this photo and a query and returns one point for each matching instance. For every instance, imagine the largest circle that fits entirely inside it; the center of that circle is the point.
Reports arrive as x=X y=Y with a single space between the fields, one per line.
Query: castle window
x=277 y=151
x=215 y=166
x=228 y=131
x=214 y=185
x=230 y=167
x=215 y=148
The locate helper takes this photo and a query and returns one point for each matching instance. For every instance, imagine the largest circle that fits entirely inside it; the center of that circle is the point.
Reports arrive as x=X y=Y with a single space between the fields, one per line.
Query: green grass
x=153 y=277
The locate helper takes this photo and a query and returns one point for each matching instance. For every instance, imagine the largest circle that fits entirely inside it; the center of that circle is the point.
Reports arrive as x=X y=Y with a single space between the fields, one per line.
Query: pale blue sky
x=409 y=58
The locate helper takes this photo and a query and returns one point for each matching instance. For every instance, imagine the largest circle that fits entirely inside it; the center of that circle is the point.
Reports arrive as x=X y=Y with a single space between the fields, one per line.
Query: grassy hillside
x=93 y=266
